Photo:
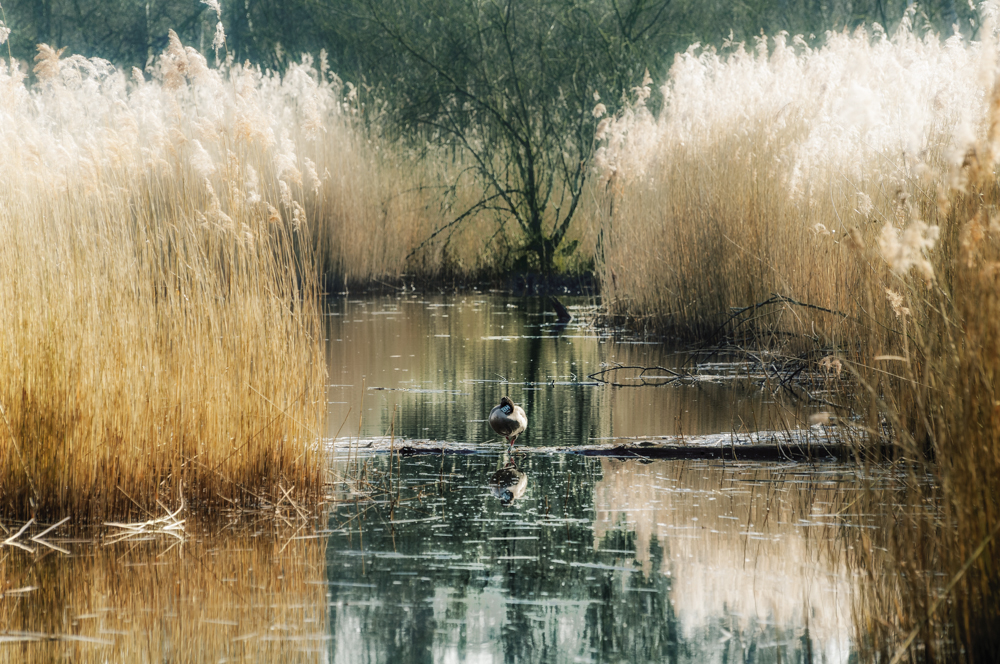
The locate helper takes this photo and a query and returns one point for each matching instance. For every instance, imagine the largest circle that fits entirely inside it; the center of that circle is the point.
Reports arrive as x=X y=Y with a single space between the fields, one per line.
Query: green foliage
x=269 y=32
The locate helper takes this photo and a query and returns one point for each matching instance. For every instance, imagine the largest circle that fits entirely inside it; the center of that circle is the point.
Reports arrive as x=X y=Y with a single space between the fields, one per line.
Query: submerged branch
x=676 y=376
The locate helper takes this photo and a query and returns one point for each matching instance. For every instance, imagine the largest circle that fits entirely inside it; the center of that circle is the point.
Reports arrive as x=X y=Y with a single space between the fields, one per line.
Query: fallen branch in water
x=168 y=524
x=642 y=371
x=792 y=450
x=562 y=313
x=12 y=540
x=774 y=299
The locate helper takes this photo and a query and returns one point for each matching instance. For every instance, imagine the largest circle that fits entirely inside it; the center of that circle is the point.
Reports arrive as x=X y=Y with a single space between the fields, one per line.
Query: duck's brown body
x=508 y=420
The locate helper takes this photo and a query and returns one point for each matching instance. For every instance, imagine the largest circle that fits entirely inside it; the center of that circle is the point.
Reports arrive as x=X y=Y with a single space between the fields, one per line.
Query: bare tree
x=514 y=85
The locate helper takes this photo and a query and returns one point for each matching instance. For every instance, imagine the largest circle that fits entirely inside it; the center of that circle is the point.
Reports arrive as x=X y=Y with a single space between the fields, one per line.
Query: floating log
x=752 y=452
x=813 y=444
x=815 y=452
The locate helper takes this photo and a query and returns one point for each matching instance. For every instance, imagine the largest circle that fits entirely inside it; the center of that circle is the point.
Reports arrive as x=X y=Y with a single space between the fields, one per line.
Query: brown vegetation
x=852 y=189
x=234 y=595
x=161 y=337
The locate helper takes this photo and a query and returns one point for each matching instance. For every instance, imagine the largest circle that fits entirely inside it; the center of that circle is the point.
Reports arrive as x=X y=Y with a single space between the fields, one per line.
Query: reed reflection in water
x=251 y=596
x=598 y=560
x=437 y=364
x=764 y=541
x=595 y=560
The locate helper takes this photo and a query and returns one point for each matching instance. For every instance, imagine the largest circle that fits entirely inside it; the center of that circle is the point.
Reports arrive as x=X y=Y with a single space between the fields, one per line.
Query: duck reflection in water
x=509 y=482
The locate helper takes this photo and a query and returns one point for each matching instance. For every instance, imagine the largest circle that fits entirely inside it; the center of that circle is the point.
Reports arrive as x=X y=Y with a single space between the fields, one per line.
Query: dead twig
x=597 y=375
x=37 y=539
x=168 y=524
x=774 y=299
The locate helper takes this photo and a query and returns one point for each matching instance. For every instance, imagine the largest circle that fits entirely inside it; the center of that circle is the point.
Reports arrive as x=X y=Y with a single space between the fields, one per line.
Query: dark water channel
x=583 y=560
x=599 y=560
x=546 y=556
x=435 y=367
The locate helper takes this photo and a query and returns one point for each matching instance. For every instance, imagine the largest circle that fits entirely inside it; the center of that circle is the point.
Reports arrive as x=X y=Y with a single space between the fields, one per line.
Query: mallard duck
x=508 y=483
x=508 y=420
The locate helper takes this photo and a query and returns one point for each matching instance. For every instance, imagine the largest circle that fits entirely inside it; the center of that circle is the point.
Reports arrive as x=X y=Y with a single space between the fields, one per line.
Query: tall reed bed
x=940 y=397
x=767 y=167
x=843 y=196
x=161 y=338
x=167 y=238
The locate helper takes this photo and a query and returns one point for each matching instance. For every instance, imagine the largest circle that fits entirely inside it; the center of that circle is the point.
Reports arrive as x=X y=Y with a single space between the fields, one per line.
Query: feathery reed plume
x=858 y=179
x=768 y=168
x=47 y=62
x=162 y=338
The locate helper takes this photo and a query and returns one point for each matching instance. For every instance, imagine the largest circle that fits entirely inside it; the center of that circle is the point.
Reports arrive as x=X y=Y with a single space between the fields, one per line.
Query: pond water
x=535 y=557
x=598 y=560
x=431 y=368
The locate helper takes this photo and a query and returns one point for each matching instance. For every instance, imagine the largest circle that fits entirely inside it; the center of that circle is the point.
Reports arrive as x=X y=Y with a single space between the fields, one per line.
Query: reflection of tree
x=398 y=621
x=554 y=414
x=472 y=353
x=633 y=616
x=533 y=602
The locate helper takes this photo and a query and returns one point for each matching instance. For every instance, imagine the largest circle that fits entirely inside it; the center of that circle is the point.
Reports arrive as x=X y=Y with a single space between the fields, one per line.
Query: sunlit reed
x=768 y=166
x=161 y=337
x=843 y=195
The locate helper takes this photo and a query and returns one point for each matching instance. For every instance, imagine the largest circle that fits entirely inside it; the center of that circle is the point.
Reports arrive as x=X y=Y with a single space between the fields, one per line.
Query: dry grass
x=160 y=334
x=379 y=211
x=439 y=238
x=761 y=174
x=941 y=400
x=167 y=236
x=858 y=177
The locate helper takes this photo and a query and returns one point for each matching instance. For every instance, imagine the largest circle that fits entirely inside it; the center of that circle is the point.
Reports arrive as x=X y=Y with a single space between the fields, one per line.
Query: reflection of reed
x=755 y=540
x=885 y=610
x=413 y=346
x=236 y=597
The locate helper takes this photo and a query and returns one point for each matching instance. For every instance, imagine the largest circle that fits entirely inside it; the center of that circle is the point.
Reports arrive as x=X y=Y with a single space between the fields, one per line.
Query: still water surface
x=542 y=557
x=439 y=364
x=592 y=560
x=599 y=560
